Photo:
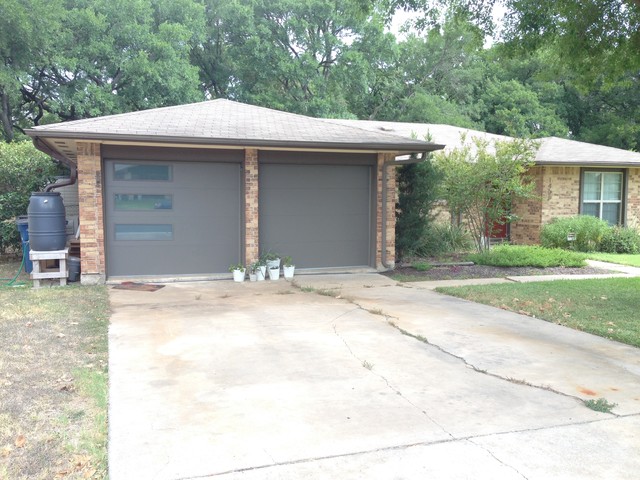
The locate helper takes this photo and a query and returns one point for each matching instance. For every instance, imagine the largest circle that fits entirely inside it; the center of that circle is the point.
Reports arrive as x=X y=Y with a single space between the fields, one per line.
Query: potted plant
x=288 y=268
x=274 y=272
x=271 y=259
x=253 y=272
x=257 y=271
x=238 y=271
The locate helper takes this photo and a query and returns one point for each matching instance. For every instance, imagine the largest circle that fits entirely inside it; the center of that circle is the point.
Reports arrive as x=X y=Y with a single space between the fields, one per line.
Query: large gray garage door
x=171 y=218
x=318 y=214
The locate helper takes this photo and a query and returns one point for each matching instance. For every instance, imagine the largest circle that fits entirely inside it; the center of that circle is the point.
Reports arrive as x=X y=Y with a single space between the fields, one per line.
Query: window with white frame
x=602 y=195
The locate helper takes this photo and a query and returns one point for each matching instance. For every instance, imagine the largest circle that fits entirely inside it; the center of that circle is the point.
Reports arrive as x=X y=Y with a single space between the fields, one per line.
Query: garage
x=187 y=190
x=320 y=214
x=171 y=218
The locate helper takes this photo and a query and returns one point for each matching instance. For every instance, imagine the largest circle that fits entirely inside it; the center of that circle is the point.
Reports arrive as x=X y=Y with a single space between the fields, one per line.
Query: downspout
x=385 y=165
x=43 y=147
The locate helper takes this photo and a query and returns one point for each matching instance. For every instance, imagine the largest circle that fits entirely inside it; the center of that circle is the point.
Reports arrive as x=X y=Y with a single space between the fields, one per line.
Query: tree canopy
x=568 y=68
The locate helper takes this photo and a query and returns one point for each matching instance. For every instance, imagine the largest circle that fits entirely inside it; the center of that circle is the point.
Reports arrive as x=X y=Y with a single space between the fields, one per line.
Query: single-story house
x=186 y=191
x=571 y=177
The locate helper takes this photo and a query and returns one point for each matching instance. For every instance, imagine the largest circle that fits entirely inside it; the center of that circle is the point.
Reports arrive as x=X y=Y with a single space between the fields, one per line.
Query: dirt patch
x=53 y=339
x=455 y=272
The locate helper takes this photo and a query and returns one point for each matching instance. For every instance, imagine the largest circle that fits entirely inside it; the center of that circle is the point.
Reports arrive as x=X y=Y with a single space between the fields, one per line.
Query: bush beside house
x=23 y=170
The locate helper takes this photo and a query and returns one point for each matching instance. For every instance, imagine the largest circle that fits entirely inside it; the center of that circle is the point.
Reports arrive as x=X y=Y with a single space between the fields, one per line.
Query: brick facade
x=633 y=198
x=90 y=199
x=385 y=220
x=251 y=220
x=91 y=213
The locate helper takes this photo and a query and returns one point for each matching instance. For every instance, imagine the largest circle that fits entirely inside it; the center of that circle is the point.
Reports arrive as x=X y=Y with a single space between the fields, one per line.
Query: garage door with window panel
x=320 y=215
x=171 y=218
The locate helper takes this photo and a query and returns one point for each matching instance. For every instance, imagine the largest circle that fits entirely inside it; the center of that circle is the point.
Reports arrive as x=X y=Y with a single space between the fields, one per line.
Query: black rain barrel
x=47 y=223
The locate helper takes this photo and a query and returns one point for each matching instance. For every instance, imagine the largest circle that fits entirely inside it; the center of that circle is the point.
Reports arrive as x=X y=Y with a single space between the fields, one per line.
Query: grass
x=605 y=307
x=422 y=266
x=620 y=258
x=53 y=382
x=528 y=256
x=600 y=405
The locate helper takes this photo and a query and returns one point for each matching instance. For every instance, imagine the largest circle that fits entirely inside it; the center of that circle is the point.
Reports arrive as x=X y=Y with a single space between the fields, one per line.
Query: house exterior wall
x=557 y=194
x=633 y=198
x=91 y=213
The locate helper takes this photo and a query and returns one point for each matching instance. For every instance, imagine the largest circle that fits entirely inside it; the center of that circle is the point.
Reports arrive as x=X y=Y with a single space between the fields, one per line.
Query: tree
x=481 y=181
x=595 y=38
x=417 y=184
x=23 y=170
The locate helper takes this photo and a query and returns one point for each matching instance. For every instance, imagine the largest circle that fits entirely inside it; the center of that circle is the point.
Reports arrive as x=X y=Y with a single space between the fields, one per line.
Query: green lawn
x=621 y=258
x=605 y=307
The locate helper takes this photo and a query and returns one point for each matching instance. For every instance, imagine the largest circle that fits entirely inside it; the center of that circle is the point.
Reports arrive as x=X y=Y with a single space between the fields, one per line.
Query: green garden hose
x=12 y=281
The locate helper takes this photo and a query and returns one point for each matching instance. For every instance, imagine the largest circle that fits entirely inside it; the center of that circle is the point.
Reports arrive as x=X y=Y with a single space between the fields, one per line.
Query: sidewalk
x=625 y=272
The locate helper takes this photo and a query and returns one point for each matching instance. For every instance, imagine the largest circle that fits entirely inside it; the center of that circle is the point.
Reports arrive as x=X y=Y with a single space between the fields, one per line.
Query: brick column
x=385 y=219
x=379 y=216
x=390 y=214
x=251 y=226
x=91 y=213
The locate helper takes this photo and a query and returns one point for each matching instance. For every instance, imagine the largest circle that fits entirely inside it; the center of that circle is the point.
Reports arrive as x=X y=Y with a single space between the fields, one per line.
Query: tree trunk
x=5 y=118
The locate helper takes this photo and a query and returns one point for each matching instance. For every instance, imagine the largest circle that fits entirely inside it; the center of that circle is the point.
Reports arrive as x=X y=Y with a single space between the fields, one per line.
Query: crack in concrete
x=404 y=446
x=384 y=379
x=497 y=459
x=473 y=367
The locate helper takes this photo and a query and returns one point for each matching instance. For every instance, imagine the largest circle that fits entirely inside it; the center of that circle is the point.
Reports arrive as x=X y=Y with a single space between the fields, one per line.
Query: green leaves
x=23 y=170
x=481 y=181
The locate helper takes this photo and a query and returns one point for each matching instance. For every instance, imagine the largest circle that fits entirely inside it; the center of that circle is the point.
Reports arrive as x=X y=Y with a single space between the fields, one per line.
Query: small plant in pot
x=253 y=272
x=271 y=259
x=238 y=271
x=288 y=268
x=261 y=269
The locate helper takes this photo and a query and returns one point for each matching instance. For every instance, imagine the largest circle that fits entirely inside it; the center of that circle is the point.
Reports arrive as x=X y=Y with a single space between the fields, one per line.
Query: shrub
x=23 y=170
x=621 y=240
x=444 y=238
x=590 y=232
x=528 y=256
x=417 y=185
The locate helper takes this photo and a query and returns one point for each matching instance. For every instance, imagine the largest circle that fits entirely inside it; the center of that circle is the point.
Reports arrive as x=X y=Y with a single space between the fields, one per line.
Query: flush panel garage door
x=318 y=214
x=171 y=218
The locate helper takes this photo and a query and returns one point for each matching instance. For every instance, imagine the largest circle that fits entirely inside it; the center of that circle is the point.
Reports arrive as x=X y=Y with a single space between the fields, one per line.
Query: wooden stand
x=42 y=272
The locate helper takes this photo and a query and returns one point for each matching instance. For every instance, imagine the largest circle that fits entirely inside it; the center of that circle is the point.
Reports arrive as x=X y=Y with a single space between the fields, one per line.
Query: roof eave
x=550 y=163
x=403 y=147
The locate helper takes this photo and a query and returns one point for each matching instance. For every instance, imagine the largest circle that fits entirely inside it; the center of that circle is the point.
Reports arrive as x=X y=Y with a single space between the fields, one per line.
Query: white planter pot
x=273 y=263
x=253 y=277
x=261 y=273
x=274 y=273
x=288 y=272
x=238 y=275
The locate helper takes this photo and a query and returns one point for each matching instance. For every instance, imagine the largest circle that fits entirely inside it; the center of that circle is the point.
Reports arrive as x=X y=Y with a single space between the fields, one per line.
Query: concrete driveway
x=354 y=376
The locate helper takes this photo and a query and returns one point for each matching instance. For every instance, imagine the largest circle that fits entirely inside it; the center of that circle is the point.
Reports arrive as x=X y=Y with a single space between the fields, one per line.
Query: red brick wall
x=91 y=213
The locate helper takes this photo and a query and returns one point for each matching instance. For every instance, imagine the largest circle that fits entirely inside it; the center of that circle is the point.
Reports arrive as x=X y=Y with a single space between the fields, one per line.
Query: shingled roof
x=226 y=123
x=551 y=151
x=560 y=151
